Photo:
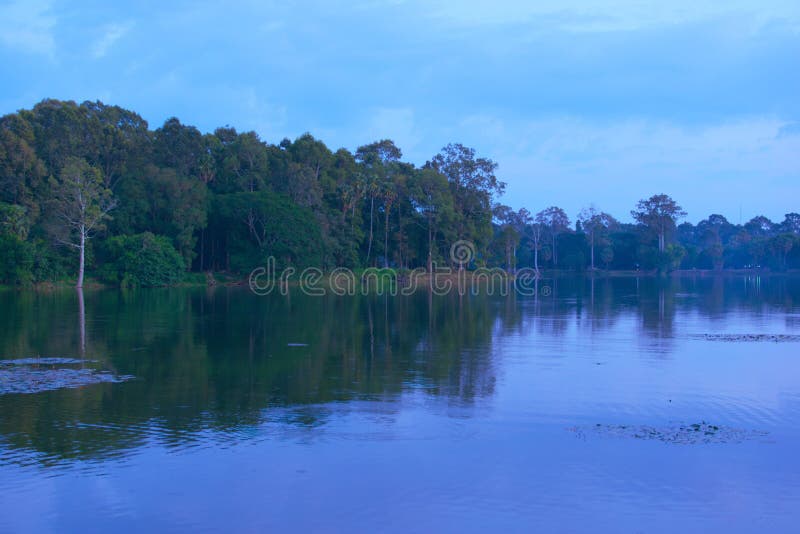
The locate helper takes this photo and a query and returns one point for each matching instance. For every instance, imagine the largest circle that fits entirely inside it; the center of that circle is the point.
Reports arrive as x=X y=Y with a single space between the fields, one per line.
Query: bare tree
x=82 y=201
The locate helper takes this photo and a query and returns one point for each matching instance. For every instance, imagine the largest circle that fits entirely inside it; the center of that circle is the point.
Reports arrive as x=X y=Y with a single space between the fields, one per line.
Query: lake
x=613 y=404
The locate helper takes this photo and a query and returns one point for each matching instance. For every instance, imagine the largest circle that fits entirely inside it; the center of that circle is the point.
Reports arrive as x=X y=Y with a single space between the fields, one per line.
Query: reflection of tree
x=81 y=321
x=216 y=361
x=657 y=311
x=221 y=360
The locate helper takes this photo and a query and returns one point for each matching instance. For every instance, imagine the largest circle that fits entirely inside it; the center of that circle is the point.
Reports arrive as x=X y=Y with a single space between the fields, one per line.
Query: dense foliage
x=141 y=260
x=94 y=178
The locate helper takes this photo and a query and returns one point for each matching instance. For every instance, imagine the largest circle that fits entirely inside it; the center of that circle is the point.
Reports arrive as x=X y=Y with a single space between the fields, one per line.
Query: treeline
x=92 y=185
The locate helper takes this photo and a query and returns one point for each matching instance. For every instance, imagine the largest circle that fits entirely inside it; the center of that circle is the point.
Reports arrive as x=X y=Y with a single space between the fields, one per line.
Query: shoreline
x=226 y=280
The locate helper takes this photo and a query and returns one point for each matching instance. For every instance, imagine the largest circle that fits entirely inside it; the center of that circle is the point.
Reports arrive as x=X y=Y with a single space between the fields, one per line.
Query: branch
x=67 y=243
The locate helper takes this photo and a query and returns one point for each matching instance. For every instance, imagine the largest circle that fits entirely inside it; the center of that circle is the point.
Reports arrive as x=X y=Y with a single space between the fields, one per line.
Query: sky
x=579 y=102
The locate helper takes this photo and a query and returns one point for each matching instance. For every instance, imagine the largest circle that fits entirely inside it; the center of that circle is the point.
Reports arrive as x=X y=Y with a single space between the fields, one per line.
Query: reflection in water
x=218 y=359
x=81 y=321
x=215 y=368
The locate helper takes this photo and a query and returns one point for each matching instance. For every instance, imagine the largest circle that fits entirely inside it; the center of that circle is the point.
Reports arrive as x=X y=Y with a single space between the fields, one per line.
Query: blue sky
x=578 y=101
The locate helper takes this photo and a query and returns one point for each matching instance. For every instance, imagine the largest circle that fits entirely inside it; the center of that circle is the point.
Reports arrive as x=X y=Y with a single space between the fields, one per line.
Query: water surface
x=571 y=412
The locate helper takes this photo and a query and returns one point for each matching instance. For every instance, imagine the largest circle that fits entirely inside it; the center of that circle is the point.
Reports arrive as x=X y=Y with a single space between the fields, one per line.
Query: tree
x=715 y=232
x=659 y=214
x=377 y=161
x=781 y=245
x=117 y=140
x=522 y=222
x=82 y=202
x=254 y=226
x=536 y=239
x=14 y=220
x=389 y=194
x=759 y=226
x=180 y=147
x=556 y=221
x=142 y=260
x=593 y=223
x=242 y=162
x=791 y=223
x=512 y=225
x=430 y=197
x=473 y=184
x=607 y=255
x=166 y=203
x=22 y=173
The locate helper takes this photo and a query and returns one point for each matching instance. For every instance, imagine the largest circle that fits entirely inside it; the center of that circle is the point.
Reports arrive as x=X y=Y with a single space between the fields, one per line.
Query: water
x=565 y=413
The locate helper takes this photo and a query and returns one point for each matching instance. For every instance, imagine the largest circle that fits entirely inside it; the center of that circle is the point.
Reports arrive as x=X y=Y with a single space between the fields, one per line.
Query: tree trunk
x=555 y=254
x=400 y=238
x=430 y=249
x=514 y=264
x=592 y=251
x=371 y=209
x=430 y=254
x=386 y=239
x=81 y=260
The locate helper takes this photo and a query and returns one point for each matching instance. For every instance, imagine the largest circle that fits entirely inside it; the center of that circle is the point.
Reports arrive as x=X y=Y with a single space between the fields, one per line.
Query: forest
x=90 y=189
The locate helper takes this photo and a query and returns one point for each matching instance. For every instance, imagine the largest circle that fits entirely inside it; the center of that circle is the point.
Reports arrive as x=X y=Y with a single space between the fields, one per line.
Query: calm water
x=409 y=413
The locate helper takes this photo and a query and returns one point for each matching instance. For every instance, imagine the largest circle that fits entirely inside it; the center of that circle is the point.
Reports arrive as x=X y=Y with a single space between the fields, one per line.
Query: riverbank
x=223 y=279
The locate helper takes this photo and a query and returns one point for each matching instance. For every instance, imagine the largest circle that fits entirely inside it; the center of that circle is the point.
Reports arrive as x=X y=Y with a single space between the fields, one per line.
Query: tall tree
x=430 y=197
x=536 y=240
x=22 y=173
x=82 y=202
x=509 y=231
x=180 y=147
x=594 y=222
x=556 y=222
x=377 y=161
x=791 y=223
x=759 y=226
x=658 y=213
x=117 y=140
x=473 y=184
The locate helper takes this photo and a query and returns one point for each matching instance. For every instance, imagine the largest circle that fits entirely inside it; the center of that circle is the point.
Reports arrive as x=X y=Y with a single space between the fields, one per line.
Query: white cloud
x=28 y=25
x=111 y=34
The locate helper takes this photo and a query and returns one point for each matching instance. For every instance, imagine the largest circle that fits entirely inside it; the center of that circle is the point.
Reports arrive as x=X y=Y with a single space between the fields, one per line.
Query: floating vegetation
x=45 y=361
x=34 y=375
x=775 y=338
x=680 y=434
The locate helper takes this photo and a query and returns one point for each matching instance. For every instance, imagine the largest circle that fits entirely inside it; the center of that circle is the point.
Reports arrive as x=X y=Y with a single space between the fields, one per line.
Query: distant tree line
x=91 y=187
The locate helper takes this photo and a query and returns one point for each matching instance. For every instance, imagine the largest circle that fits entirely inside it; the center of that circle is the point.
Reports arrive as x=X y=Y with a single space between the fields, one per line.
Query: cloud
x=111 y=34
x=28 y=25
x=708 y=167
